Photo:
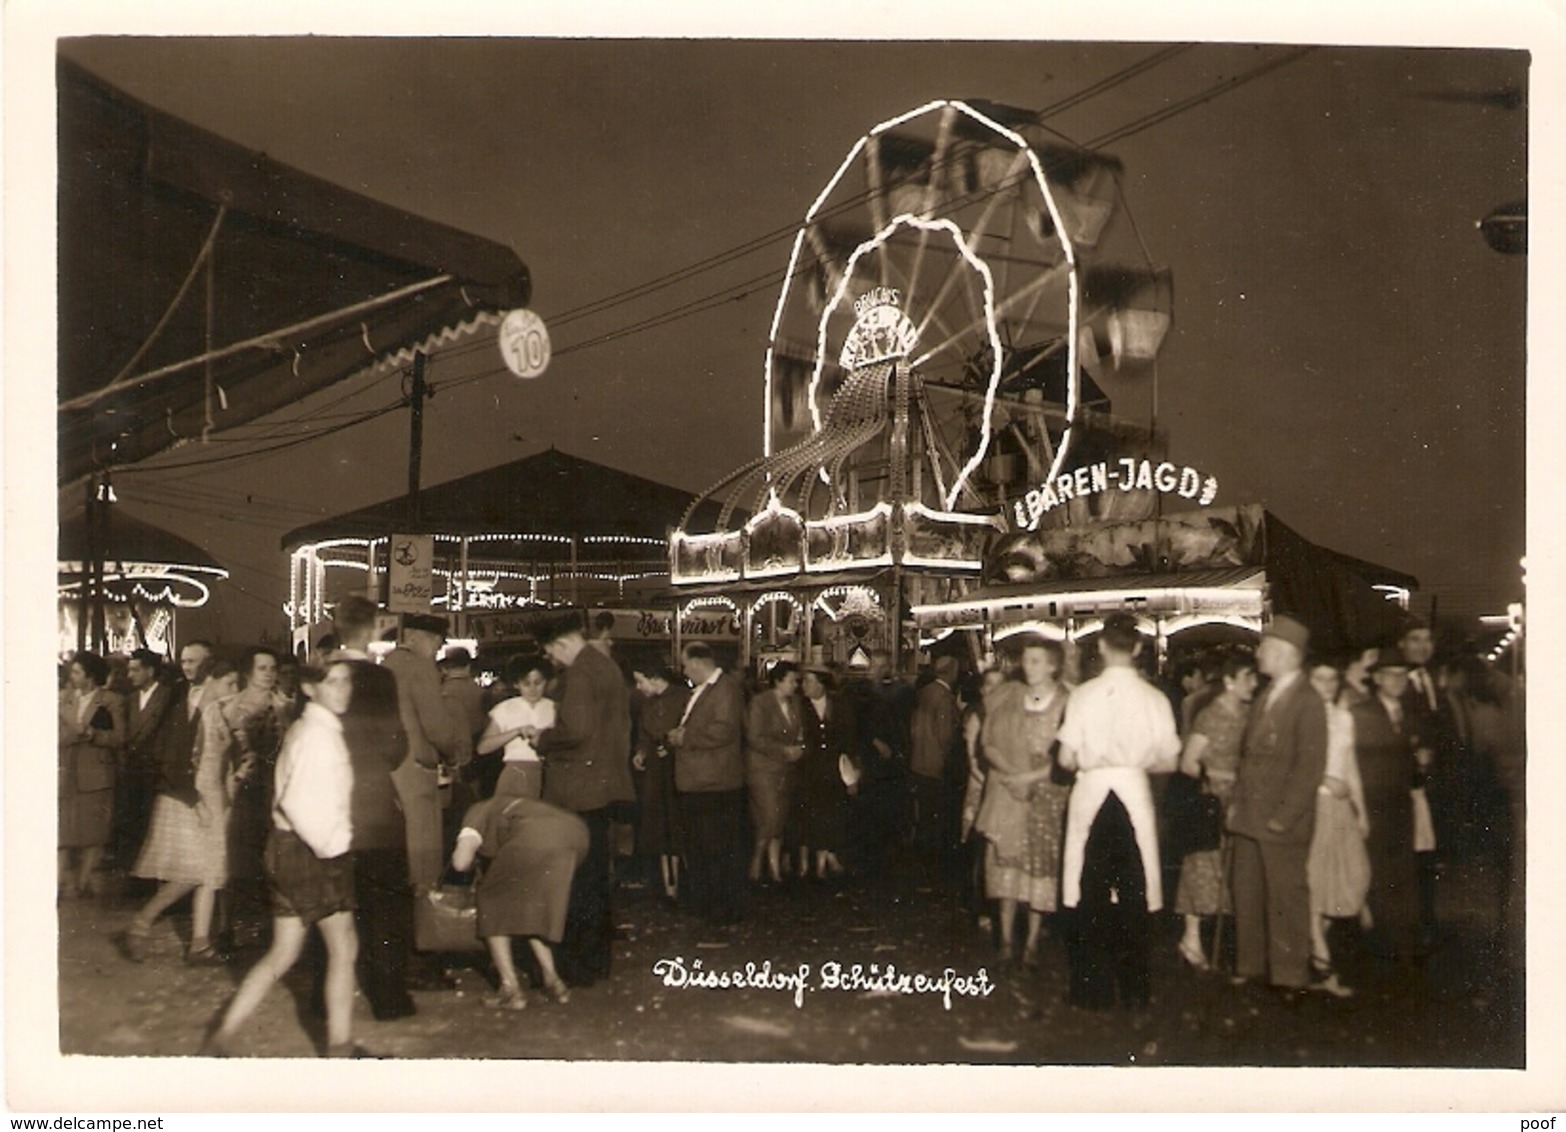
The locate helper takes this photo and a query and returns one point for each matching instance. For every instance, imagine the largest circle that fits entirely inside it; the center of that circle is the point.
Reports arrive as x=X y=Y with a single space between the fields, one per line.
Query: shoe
x=215 y=1045
x=509 y=998
x=1030 y=958
x=207 y=956
x=558 y=992
x=1324 y=979
x=1194 y=956
x=131 y=944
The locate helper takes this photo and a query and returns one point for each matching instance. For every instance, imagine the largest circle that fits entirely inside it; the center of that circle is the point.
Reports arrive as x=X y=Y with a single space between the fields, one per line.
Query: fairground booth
x=1193 y=578
x=500 y=549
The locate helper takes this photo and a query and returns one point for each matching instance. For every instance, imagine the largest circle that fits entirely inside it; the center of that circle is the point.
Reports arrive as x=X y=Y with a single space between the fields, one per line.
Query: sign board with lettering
x=411 y=576
x=517 y=625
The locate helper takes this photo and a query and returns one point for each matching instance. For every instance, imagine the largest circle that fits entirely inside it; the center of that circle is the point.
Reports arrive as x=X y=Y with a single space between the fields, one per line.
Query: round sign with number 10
x=524 y=343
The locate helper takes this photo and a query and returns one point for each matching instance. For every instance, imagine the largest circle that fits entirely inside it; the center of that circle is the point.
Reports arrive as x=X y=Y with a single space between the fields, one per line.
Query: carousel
x=958 y=302
x=121 y=583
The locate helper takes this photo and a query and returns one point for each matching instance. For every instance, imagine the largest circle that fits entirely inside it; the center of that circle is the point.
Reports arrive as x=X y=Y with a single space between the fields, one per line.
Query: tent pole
x=85 y=602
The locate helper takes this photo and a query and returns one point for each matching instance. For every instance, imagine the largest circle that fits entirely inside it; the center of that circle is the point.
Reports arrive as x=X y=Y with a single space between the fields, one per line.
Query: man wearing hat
x=437 y=738
x=1385 y=745
x=1273 y=813
x=932 y=751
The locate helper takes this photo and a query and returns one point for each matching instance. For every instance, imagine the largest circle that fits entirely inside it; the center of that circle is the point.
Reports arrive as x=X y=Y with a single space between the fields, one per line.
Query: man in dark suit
x=1273 y=813
x=1384 y=746
x=932 y=759
x=587 y=770
x=147 y=722
x=377 y=746
x=709 y=776
x=1436 y=782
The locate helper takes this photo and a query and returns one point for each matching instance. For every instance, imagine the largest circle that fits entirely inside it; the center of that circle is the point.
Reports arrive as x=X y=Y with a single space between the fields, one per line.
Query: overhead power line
x=738 y=291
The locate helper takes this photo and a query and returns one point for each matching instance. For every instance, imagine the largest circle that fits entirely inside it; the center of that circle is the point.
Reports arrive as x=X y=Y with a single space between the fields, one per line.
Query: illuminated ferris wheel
x=951 y=300
x=958 y=246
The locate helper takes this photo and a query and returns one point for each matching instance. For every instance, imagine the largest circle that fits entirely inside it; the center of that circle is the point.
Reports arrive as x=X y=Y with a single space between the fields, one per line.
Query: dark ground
x=1465 y=1010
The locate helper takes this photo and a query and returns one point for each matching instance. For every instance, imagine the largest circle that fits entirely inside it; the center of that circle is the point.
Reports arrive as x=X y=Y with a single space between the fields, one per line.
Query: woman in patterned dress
x=1212 y=754
x=187 y=840
x=1022 y=813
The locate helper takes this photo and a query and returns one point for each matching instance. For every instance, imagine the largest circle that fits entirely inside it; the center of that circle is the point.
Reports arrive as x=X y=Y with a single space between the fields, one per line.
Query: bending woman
x=533 y=850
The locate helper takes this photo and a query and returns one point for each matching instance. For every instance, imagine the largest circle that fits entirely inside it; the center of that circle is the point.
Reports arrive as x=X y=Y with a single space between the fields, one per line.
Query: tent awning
x=175 y=243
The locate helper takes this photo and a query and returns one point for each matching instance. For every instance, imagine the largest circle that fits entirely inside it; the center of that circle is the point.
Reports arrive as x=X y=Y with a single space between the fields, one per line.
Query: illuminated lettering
x=1128 y=473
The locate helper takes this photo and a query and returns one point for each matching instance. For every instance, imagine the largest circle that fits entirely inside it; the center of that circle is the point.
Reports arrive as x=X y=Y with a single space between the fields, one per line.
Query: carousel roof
x=203 y=285
x=130 y=540
x=550 y=493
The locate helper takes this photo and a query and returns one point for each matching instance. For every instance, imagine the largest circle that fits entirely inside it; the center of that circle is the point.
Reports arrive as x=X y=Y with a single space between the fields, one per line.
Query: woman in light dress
x=1338 y=868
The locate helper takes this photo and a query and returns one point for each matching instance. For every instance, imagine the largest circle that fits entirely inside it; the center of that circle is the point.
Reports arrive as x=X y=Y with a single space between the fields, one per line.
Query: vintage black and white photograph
x=935 y=546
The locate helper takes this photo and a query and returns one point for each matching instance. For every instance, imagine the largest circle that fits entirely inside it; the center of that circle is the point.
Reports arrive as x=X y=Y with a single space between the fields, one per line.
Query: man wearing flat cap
x=1273 y=813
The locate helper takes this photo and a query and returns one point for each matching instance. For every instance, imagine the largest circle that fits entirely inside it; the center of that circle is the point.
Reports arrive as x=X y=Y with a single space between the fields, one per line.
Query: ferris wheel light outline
x=1069 y=254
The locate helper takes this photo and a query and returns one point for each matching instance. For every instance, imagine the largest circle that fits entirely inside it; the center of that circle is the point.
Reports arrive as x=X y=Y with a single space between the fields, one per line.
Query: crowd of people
x=1284 y=791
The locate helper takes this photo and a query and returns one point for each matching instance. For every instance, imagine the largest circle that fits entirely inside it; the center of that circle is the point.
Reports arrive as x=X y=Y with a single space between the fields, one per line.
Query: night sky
x=1346 y=348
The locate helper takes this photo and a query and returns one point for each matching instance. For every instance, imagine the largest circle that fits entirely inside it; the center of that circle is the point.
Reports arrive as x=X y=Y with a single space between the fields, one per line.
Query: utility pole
x=415 y=439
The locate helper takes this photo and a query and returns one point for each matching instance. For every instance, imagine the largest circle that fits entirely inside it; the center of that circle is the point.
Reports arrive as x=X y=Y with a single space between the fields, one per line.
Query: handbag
x=445 y=918
x=1206 y=824
x=1195 y=817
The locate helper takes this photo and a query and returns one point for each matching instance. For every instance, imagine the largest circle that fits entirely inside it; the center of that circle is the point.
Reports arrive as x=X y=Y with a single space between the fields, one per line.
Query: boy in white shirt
x=307 y=863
